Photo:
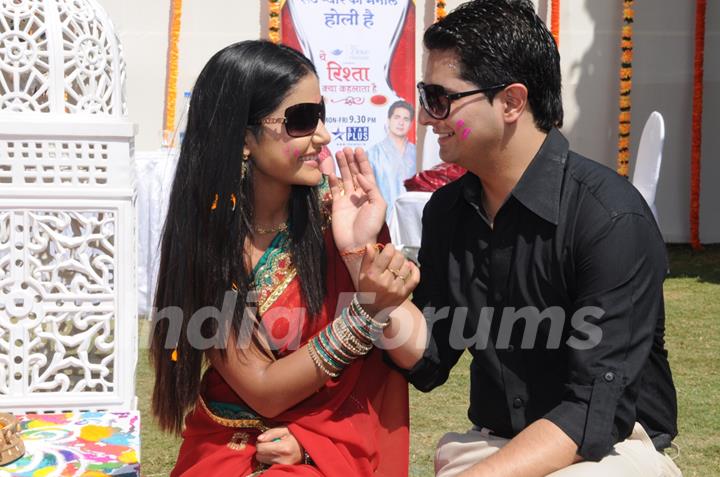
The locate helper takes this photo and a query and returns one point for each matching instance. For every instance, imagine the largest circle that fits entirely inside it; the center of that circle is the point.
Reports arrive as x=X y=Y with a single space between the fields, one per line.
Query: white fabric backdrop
x=155 y=171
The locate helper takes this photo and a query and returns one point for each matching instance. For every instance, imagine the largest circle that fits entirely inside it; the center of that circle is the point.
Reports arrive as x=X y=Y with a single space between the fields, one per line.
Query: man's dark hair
x=401 y=103
x=503 y=42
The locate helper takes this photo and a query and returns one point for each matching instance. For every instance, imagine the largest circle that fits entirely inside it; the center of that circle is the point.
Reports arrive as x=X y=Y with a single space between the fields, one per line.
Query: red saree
x=355 y=426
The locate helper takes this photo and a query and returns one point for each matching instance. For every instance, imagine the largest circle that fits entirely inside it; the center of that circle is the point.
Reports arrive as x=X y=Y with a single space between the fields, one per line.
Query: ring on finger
x=395 y=272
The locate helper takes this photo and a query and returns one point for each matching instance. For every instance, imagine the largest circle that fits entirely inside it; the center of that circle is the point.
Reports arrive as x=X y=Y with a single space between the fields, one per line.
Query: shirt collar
x=539 y=187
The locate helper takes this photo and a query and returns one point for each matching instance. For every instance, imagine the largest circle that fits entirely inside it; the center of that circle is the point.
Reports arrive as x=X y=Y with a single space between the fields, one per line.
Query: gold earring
x=244 y=166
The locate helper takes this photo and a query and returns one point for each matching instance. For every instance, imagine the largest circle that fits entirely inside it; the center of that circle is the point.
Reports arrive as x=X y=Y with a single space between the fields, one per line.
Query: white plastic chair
x=649 y=158
x=406 y=221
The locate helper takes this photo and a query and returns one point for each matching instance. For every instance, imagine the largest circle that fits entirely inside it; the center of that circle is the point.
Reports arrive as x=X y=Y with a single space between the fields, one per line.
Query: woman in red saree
x=251 y=213
x=345 y=427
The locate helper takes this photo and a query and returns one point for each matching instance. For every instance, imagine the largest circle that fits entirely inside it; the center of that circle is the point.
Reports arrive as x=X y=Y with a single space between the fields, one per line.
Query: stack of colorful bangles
x=349 y=337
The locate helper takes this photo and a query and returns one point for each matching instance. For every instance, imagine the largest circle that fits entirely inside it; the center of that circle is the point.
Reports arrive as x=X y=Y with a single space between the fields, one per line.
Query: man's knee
x=634 y=457
x=456 y=452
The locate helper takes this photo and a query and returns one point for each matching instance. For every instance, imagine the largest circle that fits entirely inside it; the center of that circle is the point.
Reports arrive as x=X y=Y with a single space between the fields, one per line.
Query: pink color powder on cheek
x=460 y=124
x=466 y=133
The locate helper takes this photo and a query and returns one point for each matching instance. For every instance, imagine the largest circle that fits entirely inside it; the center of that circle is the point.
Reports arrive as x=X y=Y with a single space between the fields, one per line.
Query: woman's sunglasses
x=301 y=119
x=435 y=100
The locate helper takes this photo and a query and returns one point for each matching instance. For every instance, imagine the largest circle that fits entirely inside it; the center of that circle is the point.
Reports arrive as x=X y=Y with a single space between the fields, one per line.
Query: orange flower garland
x=700 y=10
x=274 y=8
x=171 y=74
x=555 y=21
x=440 y=11
x=626 y=45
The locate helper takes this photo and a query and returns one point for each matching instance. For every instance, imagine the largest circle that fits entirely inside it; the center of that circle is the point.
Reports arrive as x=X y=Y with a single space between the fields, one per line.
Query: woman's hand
x=389 y=276
x=279 y=446
x=358 y=211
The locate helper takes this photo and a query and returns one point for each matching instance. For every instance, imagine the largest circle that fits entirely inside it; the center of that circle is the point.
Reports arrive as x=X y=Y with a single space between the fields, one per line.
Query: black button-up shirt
x=560 y=303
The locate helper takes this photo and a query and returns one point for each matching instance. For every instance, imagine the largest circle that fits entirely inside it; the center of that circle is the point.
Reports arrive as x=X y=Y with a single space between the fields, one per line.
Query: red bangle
x=360 y=251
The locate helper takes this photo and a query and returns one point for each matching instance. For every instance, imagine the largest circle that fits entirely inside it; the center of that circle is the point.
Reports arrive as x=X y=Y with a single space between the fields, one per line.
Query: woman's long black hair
x=203 y=249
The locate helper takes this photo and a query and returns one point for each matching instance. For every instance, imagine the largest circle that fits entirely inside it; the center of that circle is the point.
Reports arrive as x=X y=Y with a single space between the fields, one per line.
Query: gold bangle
x=361 y=313
x=353 y=344
x=319 y=362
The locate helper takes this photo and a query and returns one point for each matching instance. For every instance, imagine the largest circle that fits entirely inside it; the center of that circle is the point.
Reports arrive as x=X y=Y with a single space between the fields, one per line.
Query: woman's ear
x=515 y=101
x=250 y=143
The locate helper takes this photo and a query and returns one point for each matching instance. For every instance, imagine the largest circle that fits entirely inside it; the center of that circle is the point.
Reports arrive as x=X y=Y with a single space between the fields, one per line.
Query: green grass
x=692 y=295
x=692 y=304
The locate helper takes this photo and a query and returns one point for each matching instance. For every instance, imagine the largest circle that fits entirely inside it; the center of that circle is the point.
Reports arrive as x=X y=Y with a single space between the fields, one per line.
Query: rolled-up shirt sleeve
x=430 y=296
x=619 y=268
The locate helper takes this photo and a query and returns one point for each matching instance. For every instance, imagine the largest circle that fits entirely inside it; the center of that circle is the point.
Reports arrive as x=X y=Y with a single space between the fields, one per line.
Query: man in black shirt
x=546 y=266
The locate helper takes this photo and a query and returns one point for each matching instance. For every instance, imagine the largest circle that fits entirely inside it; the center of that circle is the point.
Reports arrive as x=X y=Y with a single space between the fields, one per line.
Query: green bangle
x=325 y=355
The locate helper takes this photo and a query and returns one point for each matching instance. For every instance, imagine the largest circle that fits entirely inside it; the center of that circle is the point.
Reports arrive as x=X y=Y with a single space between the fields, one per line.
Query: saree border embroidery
x=239 y=441
x=274 y=273
x=234 y=423
x=265 y=304
x=325 y=198
x=275 y=270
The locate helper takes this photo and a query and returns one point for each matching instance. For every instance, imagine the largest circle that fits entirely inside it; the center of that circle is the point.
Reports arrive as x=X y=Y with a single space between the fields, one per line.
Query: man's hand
x=279 y=446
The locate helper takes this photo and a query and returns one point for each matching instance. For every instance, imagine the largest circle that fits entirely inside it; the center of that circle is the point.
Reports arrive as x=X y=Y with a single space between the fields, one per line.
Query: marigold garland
x=171 y=74
x=555 y=21
x=274 y=7
x=625 y=102
x=700 y=11
x=440 y=11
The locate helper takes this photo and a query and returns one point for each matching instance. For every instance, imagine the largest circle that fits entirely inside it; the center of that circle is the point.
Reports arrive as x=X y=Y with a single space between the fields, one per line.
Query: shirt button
x=498 y=296
x=609 y=376
x=518 y=403
x=510 y=348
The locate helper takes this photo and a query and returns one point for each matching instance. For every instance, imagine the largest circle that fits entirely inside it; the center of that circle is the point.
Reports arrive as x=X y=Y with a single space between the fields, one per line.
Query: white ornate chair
x=68 y=328
x=649 y=159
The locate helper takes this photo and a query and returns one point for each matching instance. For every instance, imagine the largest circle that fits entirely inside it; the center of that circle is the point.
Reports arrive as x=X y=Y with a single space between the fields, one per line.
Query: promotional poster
x=364 y=51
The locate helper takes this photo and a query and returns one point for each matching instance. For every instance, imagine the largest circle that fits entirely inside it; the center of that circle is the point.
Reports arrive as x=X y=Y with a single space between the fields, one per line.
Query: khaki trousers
x=634 y=457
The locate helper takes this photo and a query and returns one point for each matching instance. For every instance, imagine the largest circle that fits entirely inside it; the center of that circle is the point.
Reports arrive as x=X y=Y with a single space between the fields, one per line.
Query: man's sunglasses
x=300 y=119
x=435 y=100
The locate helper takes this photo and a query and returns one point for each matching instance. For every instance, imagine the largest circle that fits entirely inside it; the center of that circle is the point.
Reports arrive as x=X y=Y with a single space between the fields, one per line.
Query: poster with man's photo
x=364 y=51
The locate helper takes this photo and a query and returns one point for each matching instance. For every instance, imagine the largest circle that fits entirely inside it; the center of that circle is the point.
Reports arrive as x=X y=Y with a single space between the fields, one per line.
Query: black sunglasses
x=435 y=100
x=300 y=119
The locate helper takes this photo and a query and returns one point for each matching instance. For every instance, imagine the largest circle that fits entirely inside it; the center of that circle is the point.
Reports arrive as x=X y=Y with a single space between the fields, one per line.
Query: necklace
x=281 y=227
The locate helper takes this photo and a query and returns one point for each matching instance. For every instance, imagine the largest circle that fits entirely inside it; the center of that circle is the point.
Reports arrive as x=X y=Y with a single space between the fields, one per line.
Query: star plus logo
x=338 y=134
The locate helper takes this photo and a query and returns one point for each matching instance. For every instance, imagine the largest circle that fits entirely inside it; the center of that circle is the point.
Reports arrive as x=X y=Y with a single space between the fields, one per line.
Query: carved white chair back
x=68 y=328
